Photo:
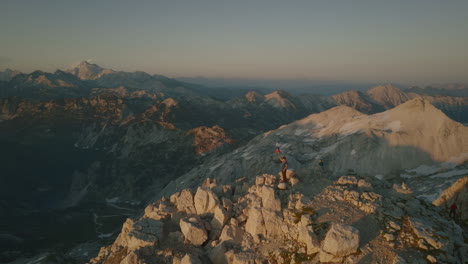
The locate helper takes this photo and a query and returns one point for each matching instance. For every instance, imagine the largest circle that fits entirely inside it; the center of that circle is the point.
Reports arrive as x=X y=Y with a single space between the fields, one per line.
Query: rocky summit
x=347 y=219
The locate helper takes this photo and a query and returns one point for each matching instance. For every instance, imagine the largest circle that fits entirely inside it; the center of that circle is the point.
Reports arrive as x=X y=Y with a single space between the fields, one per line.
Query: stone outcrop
x=350 y=221
x=340 y=241
x=193 y=231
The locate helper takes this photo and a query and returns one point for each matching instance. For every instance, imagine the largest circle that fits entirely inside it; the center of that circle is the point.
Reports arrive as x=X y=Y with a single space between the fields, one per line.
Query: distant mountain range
x=76 y=138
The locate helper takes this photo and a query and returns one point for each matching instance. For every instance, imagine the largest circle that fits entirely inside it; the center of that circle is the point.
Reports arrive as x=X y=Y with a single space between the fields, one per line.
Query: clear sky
x=406 y=41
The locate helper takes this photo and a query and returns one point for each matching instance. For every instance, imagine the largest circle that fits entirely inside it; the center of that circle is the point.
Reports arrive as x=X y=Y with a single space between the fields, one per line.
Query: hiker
x=284 y=169
x=277 y=148
x=453 y=210
x=321 y=164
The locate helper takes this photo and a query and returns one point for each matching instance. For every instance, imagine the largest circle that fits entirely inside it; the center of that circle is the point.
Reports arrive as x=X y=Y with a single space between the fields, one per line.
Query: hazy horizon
x=413 y=43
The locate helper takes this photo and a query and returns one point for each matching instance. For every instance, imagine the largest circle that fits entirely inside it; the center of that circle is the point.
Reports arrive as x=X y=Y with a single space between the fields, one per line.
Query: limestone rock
x=255 y=224
x=205 y=201
x=220 y=217
x=347 y=180
x=260 y=180
x=431 y=259
x=193 y=232
x=308 y=237
x=243 y=258
x=232 y=234
x=273 y=222
x=424 y=230
x=270 y=180
x=289 y=174
x=143 y=234
x=282 y=186
x=190 y=259
x=217 y=254
x=184 y=201
x=341 y=240
x=159 y=210
x=131 y=258
x=294 y=181
x=269 y=200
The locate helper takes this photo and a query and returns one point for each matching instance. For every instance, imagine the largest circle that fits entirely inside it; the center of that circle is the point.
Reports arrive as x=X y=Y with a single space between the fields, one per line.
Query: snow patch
x=212 y=168
x=407 y=176
x=379 y=176
x=299 y=132
x=105 y=235
x=350 y=128
x=329 y=148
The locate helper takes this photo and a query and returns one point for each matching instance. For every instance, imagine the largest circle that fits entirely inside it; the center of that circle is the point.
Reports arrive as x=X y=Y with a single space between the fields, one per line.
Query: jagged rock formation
x=207 y=139
x=350 y=220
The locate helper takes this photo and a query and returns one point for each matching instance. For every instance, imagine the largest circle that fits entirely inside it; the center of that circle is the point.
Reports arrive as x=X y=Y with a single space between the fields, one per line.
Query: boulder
x=269 y=200
x=308 y=237
x=232 y=234
x=243 y=258
x=144 y=235
x=193 y=232
x=217 y=254
x=341 y=240
x=294 y=181
x=220 y=216
x=255 y=224
x=259 y=180
x=184 y=201
x=205 y=201
x=273 y=222
x=190 y=259
x=431 y=259
x=289 y=174
x=282 y=186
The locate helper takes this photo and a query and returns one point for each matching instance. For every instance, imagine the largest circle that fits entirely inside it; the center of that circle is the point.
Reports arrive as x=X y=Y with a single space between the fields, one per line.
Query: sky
x=403 y=41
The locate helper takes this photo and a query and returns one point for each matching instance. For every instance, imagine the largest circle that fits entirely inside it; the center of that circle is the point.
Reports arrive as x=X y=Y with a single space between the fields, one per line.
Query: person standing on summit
x=284 y=169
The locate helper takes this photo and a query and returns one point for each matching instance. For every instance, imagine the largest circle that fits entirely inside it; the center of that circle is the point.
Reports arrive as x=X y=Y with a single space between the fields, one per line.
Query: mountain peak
x=417 y=105
x=8 y=74
x=280 y=99
x=388 y=95
x=387 y=86
x=88 y=71
x=253 y=97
